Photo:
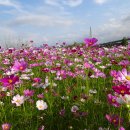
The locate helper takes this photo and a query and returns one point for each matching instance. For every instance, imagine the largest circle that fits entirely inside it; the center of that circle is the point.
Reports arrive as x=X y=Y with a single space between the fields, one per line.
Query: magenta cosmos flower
x=19 y=65
x=90 y=41
x=37 y=80
x=121 y=89
x=114 y=119
x=9 y=80
x=113 y=100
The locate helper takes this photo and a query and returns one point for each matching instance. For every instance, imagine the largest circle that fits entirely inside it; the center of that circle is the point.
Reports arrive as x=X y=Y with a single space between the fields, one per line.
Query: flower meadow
x=81 y=87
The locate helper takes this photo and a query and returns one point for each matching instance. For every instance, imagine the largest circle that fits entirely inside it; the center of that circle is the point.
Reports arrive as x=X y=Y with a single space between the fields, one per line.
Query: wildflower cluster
x=80 y=87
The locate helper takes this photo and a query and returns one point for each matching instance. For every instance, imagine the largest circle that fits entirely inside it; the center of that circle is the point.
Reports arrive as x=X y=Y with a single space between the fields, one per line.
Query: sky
x=52 y=21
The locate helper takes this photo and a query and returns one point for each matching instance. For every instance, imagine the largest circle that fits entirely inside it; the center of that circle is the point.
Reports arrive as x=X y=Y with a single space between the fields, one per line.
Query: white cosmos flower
x=11 y=93
x=3 y=88
x=92 y=91
x=102 y=67
x=28 y=70
x=120 y=100
x=82 y=100
x=74 y=108
x=54 y=84
x=10 y=72
x=18 y=100
x=41 y=105
x=124 y=99
x=25 y=76
x=65 y=97
x=1 y=103
x=127 y=99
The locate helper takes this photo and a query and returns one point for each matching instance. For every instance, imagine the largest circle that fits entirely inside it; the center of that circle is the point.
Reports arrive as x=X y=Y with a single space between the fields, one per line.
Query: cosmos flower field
x=81 y=87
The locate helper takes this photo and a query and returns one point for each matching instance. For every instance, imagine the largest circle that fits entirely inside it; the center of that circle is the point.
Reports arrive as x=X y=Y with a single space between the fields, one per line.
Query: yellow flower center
x=21 y=68
x=0 y=76
x=10 y=80
x=90 y=43
x=114 y=120
x=128 y=77
x=122 y=91
x=18 y=100
x=6 y=127
x=113 y=100
x=40 y=106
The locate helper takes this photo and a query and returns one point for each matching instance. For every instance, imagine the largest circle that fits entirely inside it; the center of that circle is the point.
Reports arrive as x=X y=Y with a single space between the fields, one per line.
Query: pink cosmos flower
x=113 y=100
x=88 y=65
x=121 y=89
x=28 y=93
x=124 y=76
x=40 y=95
x=10 y=50
x=90 y=41
x=121 y=128
x=128 y=45
x=6 y=61
x=19 y=65
x=9 y=80
x=41 y=128
x=6 y=126
x=62 y=112
x=97 y=73
x=46 y=70
x=80 y=114
x=124 y=63
x=114 y=73
x=37 y=80
x=114 y=119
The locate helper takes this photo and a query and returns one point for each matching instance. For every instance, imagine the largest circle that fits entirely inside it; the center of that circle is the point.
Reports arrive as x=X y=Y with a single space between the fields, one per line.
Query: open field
x=63 y=88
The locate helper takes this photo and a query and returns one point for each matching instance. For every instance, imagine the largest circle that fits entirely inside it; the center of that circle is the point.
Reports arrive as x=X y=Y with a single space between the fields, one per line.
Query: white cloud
x=42 y=21
x=73 y=3
x=52 y=2
x=100 y=1
x=10 y=3
x=38 y=24
x=114 y=29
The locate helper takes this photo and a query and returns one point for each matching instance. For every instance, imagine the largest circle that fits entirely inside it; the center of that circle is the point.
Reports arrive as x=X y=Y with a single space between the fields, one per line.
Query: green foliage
x=124 y=41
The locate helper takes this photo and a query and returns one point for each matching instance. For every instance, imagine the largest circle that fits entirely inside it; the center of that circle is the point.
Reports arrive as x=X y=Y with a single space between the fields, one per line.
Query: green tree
x=124 y=41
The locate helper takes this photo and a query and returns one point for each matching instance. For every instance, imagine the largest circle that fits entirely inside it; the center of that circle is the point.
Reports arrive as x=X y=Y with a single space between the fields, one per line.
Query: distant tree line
x=122 y=42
